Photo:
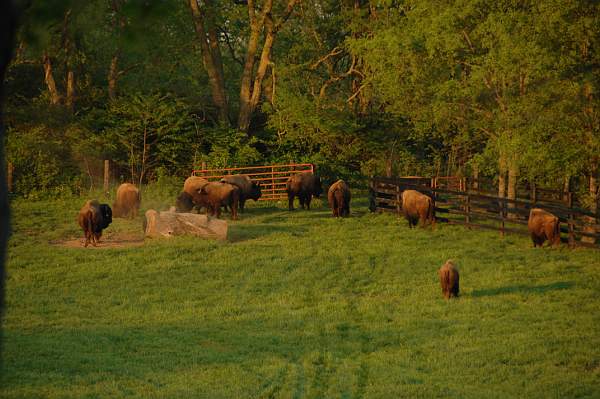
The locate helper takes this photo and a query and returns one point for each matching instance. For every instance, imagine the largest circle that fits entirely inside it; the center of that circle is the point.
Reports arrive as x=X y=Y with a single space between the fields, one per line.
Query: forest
x=503 y=89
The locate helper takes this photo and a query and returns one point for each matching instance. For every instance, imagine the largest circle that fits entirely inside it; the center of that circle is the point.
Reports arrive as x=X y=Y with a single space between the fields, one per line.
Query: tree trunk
x=513 y=177
x=70 y=100
x=113 y=76
x=212 y=62
x=590 y=221
x=502 y=176
x=169 y=224
x=566 y=188
x=50 y=82
x=246 y=84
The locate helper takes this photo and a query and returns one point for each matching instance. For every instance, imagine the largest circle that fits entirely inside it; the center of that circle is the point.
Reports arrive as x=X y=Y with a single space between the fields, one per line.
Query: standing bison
x=417 y=206
x=304 y=186
x=543 y=226
x=339 y=199
x=128 y=201
x=449 y=279
x=214 y=195
x=93 y=218
x=248 y=188
x=187 y=199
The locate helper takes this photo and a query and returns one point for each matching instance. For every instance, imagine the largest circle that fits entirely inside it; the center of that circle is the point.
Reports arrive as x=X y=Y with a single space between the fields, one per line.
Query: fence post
x=273 y=180
x=398 y=209
x=106 y=175
x=9 y=176
x=571 y=222
x=468 y=210
x=502 y=215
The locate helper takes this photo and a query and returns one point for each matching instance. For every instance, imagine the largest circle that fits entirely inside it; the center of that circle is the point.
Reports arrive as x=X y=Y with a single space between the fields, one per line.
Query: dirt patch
x=115 y=240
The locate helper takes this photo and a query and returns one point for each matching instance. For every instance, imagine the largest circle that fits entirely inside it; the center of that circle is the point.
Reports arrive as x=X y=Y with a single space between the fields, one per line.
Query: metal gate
x=272 y=178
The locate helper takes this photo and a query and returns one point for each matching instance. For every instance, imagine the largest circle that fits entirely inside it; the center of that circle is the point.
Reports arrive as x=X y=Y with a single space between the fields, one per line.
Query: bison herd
x=231 y=193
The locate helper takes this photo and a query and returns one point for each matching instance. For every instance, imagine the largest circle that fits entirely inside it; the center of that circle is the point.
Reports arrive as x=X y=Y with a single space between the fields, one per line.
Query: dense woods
x=502 y=89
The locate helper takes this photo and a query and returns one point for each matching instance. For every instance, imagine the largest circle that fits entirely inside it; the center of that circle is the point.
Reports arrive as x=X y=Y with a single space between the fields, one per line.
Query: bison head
x=255 y=191
x=184 y=202
x=106 y=213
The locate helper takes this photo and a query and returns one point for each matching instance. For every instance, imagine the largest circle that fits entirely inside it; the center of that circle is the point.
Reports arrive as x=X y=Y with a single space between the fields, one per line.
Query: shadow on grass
x=251 y=231
x=524 y=289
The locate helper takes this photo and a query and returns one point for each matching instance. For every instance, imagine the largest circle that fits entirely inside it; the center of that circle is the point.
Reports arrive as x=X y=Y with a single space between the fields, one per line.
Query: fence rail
x=272 y=178
x=459 y=204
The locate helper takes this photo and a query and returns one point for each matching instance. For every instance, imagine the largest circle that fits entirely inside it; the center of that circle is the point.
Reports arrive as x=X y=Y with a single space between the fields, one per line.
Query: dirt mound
x=115 y=240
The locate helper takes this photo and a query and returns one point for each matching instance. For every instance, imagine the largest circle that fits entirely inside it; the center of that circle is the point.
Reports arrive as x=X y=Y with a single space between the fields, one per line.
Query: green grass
x=295 y=305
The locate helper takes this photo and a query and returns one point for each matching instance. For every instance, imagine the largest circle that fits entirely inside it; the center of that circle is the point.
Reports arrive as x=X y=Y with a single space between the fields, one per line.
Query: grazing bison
x=93 y=218
x=128 y=201
x=304 y=185
x=188 y=198
x=217 y=194
x=339 y=198
x=417 y=206
x=248 y=188
x=543 y=226
x=449 y=279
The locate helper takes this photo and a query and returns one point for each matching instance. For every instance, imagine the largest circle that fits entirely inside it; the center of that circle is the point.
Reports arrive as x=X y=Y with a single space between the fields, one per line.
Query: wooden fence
x=473 y=209
x=272 y=178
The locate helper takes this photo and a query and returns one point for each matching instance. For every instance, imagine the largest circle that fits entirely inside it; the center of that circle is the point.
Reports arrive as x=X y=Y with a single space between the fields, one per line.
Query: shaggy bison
x=339 y=198
x=417 y=206
x=128 y=201
x=449 y=279
x=214 y=195
x=188 y=198
x=543 y=226
x=304 y=185
x=93 y=218
x=248 y=188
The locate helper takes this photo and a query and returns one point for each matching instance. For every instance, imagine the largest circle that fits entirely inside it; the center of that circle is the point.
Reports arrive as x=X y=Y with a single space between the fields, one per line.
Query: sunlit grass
x=295 y=305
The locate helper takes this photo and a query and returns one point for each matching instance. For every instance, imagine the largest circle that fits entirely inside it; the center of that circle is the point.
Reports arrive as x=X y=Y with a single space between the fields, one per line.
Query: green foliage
x=294 y=305
x=148 y=131
x=42 y=163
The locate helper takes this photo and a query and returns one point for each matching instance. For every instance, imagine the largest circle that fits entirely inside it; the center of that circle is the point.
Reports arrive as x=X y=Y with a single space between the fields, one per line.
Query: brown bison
x=543 y=226
x=417 y=206
x=186 y=200
x=339 y=198
x=449 y=279
x=214 y=195
x=128 y=201
x=304 y=185
x=93 y=218
x=248 y=188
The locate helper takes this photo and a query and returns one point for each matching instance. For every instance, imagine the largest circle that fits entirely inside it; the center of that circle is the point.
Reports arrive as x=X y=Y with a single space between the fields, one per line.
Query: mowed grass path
x=296 y=305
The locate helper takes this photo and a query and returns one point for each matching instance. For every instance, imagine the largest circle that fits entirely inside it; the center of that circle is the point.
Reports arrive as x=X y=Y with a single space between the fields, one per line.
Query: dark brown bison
x=339 y=198
x=248 y=188
x=128 y=201
x=93 y=218
x=186 y=200
x=449 y=279
x=543 y=226
x=417 y=206
x=214 y=195
x=304 y=185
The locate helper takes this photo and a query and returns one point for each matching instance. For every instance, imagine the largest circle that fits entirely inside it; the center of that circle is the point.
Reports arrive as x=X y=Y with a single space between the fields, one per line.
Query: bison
x=449 y=279
x=304 y=185
x=128 y=201
x=417 y=206
x=543 y=226
x=188 y=198
x=93 y=218
x=248 y=188
x=214 y=195
x=339 y=198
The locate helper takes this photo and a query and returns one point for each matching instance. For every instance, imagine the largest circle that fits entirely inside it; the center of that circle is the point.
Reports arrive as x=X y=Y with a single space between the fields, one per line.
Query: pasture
x=294 y=305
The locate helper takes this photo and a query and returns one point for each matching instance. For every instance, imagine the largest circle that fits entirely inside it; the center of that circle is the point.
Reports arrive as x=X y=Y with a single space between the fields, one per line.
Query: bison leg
x=291 y=201
x=242 y=202
x=301 y=198
x=308 y=199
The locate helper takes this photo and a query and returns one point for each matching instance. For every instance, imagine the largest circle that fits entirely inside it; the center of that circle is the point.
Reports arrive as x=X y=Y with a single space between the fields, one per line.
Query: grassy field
x=295 y=305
